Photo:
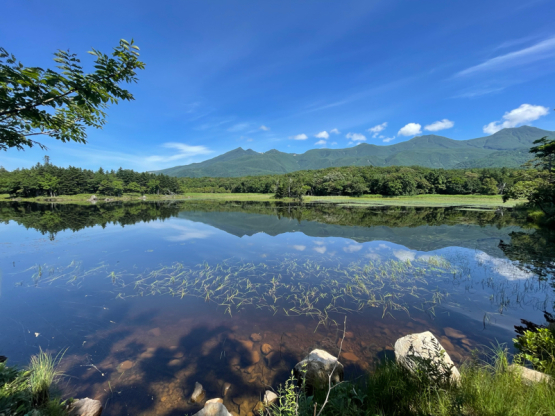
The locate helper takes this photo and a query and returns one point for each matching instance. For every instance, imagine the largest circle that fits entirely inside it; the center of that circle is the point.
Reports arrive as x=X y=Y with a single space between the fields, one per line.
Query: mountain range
x=506 y=148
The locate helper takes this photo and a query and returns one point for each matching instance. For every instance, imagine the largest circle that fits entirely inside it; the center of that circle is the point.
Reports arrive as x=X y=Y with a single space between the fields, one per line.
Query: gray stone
x=319 y=364
x=198 y=393
x=424 y=352
x=530 y=376
x=269 y=397
x=85 y=407
x=213 y=409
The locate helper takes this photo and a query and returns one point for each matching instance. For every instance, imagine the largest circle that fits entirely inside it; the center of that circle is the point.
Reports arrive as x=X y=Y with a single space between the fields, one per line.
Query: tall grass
x=43 y=374
x=486 y=388
x=24 y=392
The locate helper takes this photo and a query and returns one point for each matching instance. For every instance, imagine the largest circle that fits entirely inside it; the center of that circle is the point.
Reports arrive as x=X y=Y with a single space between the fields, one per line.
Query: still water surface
x=149 y=298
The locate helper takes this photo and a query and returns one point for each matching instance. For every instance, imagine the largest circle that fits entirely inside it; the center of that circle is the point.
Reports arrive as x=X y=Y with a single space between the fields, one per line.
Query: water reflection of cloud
x=373 y=256
x=299 y=247
x=320 y=243
x=185 y=232
x=502 y=266
x=404 y=255
x=351 y=248
x=384 y=246
x=321 y=249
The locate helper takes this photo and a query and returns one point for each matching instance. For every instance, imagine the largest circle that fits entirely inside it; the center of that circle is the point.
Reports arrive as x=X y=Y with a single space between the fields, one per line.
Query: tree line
x=48 y=180
x=363 y=180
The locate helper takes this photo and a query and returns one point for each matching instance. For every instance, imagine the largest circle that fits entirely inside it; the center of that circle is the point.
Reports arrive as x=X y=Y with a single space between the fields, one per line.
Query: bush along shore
x=421 y=380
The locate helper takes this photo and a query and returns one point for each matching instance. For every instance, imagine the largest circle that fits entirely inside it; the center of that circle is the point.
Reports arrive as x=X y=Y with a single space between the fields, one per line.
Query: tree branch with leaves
x=62 y=104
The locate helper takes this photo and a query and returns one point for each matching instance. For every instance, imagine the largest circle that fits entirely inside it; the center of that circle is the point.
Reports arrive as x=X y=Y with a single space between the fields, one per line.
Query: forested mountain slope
x=506 y=148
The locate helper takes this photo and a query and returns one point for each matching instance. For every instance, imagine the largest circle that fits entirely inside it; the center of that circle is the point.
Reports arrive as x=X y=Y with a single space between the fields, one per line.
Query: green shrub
x=537 y=347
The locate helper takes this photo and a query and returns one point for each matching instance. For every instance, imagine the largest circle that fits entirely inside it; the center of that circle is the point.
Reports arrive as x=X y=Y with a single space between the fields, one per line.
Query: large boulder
x=317 y=367
x=212 y=408
x=528 y=375
x=423 y=353
x=85 y=407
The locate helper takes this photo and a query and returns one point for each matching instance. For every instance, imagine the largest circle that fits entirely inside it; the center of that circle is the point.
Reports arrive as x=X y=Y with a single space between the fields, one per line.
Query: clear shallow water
x=149 y=298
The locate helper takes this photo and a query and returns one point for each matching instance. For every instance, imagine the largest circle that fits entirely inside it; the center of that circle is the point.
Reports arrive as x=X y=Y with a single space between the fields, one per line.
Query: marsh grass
x=487 y=388
x=23 y=392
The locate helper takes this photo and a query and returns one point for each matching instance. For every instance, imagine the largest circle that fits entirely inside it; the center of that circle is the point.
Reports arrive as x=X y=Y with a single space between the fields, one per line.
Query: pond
x=145 y=299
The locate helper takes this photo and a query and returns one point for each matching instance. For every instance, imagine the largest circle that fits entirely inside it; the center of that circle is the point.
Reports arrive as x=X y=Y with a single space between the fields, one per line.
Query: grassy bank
x=485 y=389
x=477 y=201
x=29 y=392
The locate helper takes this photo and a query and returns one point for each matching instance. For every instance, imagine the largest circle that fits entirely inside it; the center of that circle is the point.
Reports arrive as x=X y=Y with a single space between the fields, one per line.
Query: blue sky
x=295 y=75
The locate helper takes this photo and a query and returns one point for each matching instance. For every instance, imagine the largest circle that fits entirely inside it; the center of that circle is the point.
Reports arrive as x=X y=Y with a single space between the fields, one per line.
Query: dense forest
x=356 y=181
x=49 y=180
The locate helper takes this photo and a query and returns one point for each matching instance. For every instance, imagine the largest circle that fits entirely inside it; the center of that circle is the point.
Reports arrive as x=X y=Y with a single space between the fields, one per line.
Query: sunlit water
x=178 y=294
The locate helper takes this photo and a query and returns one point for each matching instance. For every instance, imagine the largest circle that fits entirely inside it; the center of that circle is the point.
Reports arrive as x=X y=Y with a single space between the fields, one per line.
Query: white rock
x=198 y=393
x=423 y=351
x=269 y=397
x=85 y=407
x=213 y=409
x=318 y=365
x=217 y=400
x=528 y=375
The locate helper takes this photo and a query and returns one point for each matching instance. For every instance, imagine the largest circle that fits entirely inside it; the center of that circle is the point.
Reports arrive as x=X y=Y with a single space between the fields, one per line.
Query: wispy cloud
x=238 y=127
x=478 y=92
x=320 y=143
x=184 y=151
x=299 y=137
x=264 y=128
x=335 y=131
x=410 y=129
x=356 y=137
x=521 y=115
x=377 y=129
x=440 y=125
x=388 y=139
x=540 y=51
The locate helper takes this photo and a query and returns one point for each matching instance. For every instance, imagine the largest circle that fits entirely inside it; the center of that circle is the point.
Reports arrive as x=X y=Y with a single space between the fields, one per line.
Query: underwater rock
x=272 y=359
x=198 y=393
x=266 y=349
x=424 y=351
x=269 y=397
x=85 y=407
x=318 y=365
x=255 y=356
x=528 y=375
x=213 y=409
x=226 y=388
x=349 y=356
x=124 y=366
x=256 y=337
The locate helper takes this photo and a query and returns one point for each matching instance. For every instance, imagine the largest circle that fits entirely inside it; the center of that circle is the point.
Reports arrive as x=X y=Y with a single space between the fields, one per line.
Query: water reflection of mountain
x=422 y=237
x=417 y=228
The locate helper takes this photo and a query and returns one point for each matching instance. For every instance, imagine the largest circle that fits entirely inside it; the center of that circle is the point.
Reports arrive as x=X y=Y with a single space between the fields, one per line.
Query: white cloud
x=352 y=248
x=238 y=127
x=263 y=127
x=377 y=129
x=404 y=255
x=388 y=139
x=299 y=137
x=440 y=125
x=542 y=50
x=322 y=135
x=410 y=129
x=521 y=115
x=183 y=151
x=333 y=143
x=356 y=137
x=320 y=143
x=299 y=247
x=335 y=131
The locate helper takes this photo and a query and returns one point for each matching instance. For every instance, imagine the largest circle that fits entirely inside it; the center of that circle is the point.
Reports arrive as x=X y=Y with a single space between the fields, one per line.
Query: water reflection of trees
x=53 y=218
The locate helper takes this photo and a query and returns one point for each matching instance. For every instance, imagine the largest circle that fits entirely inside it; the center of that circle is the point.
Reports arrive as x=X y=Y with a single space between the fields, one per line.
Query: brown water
x=189 y=292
